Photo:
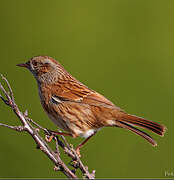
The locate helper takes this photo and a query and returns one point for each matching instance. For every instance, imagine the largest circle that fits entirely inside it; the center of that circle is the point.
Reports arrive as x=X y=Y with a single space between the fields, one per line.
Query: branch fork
x=33 y=129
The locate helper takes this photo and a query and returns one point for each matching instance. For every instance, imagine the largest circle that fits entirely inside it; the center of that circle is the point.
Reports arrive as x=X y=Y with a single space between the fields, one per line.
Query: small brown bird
x=77 y=109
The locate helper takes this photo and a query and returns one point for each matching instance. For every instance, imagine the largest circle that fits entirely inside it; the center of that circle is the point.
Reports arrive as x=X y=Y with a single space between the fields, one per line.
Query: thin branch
x=37 y=125
x=17 y=128
x=9 y=87
x=54 y=156
x=65 y=141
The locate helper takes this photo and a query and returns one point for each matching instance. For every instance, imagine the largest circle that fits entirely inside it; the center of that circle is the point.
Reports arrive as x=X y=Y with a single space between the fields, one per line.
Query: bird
x=79 y=110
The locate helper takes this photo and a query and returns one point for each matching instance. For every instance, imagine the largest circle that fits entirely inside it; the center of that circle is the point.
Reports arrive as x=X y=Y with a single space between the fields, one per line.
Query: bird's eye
x=35 y=63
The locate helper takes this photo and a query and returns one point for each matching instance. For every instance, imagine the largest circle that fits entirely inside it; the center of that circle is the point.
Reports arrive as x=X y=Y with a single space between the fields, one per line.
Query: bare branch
x=65 y=141
x=17 y=128
x=6 y=94
x=5 y=101
x=37 y=125
x=54 y=156
x=9 y=87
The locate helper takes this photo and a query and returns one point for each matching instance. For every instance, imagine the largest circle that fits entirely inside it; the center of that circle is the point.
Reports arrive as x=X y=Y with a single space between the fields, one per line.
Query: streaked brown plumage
x=77 y=109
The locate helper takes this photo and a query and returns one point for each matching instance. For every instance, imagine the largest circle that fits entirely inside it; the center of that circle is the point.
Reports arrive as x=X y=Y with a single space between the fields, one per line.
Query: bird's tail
x=129 y=121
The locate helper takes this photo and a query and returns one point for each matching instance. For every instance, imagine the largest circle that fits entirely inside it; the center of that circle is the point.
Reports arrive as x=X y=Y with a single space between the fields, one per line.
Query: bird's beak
x=26 y=65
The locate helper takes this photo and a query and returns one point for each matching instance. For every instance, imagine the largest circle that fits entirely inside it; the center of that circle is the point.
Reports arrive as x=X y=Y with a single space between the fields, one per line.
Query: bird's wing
x=77 y=92
x=96 y=99
x=70 y=90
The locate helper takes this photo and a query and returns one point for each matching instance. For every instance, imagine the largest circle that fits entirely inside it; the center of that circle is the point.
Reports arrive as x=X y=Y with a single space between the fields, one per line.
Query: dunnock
x=78 y=110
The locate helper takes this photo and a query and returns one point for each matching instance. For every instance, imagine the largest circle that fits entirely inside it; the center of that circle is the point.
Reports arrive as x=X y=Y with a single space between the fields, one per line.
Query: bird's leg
x=82 y=144
x=49 y=138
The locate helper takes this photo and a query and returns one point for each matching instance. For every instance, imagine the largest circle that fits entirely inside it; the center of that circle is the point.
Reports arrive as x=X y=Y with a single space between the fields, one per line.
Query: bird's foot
x=49 y=138
x=52 y=134
x=77 y=150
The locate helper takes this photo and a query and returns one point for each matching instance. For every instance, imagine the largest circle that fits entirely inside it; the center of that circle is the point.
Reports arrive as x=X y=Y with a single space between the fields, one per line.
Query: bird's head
x=44 y=68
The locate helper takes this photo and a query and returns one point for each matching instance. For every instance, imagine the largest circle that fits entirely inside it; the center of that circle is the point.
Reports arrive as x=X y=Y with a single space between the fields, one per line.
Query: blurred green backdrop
x=123 y=49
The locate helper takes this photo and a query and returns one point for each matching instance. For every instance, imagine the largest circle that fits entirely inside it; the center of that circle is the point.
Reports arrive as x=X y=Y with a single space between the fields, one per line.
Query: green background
x=123 y=49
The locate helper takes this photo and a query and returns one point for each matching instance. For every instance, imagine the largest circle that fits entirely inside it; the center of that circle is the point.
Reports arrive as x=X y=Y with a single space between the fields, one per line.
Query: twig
x=65 y=141
x=41 y=143
x=37 y=125
x=17 y=128
x=9 y=87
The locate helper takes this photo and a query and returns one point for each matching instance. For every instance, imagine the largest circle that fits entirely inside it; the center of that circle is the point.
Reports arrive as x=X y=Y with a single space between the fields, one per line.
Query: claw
x=49 y=138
